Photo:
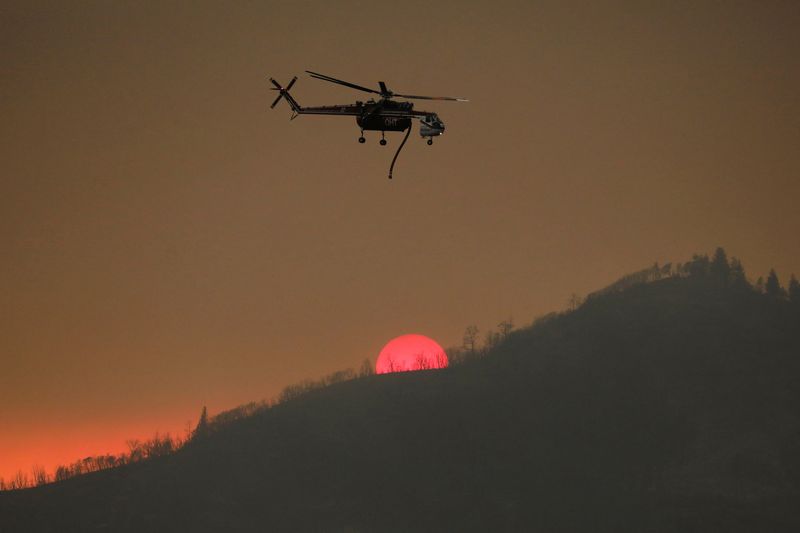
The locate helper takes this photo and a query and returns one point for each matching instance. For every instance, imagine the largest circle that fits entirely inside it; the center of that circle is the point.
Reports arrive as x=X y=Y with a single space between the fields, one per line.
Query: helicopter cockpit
x=431 y=126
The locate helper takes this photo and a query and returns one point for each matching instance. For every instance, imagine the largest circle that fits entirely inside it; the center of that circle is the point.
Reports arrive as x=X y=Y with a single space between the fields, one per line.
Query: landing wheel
x=383 y=142
x=362 y=140
x=430 y=142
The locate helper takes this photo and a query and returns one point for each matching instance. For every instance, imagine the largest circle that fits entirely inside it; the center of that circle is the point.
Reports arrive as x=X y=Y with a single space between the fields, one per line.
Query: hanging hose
x=398 y=151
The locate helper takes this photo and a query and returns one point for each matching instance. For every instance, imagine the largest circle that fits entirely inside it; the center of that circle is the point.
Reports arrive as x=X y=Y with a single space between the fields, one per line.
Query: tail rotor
x=284 y=93
x=281 y=89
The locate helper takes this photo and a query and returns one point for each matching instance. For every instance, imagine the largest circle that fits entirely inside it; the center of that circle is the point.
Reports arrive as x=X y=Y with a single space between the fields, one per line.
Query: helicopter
x=383 y=114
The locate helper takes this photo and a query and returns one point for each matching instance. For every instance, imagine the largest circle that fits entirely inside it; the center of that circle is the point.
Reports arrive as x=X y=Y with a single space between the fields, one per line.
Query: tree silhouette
x=202 y=428
x=760 y=285
x=719 y=268
x=471 y=339
x=773 y=287
x=505 y=327
x=40 y=476
x=794 y=290
x=421 y=362
x=19 y=481
x=367 y=369
x=492 y=339
x=698 y=267
x=736 y=275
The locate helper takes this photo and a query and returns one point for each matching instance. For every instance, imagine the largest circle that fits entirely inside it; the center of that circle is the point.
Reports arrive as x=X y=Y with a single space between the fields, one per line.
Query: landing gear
x=430 y=142
x=362 y=140
x=383 y=138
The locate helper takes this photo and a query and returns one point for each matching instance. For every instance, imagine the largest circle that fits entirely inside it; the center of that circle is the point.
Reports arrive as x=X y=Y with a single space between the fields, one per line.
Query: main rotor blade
x=278 y=99
x=276 y=84
x=291 y=83
x=341 y=82
x=414 y=97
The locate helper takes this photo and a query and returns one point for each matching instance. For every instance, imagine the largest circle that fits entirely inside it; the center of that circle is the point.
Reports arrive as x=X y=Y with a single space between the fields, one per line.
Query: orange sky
x=170 y=242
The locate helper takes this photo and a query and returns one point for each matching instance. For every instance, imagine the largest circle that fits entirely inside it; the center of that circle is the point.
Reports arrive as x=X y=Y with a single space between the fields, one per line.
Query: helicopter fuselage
x=384 y=116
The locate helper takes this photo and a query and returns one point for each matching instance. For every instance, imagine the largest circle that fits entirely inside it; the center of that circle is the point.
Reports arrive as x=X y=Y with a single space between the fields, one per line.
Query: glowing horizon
x=36 y=447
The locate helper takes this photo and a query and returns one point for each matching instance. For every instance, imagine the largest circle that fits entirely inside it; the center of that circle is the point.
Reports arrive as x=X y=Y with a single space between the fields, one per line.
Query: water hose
x=391 y=168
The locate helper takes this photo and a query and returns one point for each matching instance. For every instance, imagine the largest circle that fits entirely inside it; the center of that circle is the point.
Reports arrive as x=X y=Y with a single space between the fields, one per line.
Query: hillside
x=671 y=405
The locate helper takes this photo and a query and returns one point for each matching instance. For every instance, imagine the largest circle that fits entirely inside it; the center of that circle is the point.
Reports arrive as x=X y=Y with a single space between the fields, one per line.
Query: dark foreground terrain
x=667 y=406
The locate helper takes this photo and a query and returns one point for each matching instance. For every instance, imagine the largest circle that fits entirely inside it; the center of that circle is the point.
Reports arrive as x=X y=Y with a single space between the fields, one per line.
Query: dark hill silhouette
x=671 y=405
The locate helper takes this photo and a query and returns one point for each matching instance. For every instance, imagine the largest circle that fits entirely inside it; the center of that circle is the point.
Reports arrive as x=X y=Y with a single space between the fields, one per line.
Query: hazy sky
x=170 y=242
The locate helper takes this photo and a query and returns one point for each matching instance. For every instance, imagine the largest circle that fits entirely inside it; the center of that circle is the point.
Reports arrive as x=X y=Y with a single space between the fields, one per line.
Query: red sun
x=410 y=352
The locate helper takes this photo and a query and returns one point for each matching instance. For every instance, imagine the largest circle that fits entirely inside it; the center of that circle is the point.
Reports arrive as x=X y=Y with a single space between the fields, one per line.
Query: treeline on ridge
x=717 y=271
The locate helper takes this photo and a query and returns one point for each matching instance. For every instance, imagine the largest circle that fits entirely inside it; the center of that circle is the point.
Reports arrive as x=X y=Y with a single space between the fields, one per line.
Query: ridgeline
x=666 y=402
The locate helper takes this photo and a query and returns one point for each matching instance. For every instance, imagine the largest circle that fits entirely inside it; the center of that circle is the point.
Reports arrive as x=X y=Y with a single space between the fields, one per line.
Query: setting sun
x=410 y=352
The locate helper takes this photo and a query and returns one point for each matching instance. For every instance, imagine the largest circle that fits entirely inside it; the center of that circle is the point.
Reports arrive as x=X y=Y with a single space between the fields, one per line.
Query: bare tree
x=19 y=481
x=62 y=473
x=492 y=339
x=366 y=368
x=158 y=446
x=135 y=450
x=39 y=475
x=471 y=339
x=336 y=377
x=505 y=327
x=421 y=362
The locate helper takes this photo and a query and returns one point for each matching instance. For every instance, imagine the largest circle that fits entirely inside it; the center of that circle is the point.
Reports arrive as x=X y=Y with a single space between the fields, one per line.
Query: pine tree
x=202 y=428
x=720 y=269
x=736 y=276
x=794 y=290
x=760 y=285
x=773 y=287
x=698 y=267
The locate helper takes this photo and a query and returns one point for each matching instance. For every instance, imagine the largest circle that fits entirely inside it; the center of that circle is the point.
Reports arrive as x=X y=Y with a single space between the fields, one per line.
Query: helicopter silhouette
x=384 y=114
